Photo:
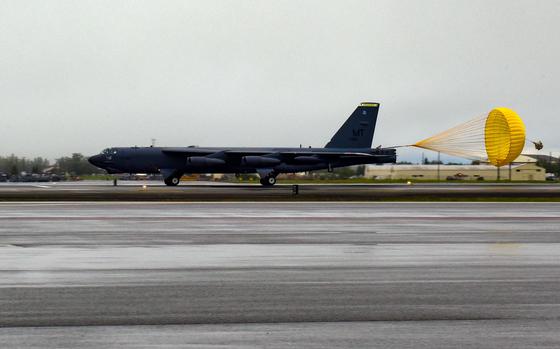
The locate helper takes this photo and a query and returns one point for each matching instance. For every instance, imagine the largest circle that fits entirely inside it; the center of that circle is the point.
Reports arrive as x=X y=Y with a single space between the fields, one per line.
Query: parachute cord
x=400 y=146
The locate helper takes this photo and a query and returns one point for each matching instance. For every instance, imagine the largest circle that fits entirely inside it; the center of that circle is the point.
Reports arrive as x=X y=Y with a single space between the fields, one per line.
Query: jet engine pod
x=259 y=161
x=204 y=161
x=306 y=159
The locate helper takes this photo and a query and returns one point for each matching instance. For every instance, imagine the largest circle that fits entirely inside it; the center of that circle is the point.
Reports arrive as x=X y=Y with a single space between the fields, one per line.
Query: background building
x=524 y=168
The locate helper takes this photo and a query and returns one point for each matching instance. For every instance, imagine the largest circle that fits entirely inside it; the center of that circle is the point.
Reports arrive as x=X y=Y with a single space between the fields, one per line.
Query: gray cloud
x=80 y=76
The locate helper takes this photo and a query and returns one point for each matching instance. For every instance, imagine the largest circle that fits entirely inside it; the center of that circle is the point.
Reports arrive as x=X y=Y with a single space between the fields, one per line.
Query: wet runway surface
x=282 y=275
x=219 y=191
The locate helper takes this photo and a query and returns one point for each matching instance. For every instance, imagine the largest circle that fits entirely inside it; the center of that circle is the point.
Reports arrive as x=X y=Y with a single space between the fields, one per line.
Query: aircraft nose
x=95 y=160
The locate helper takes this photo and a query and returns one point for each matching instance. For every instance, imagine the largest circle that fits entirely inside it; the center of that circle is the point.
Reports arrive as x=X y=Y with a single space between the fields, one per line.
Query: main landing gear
x=171 y=176
x=268 y=181
x=172 y=181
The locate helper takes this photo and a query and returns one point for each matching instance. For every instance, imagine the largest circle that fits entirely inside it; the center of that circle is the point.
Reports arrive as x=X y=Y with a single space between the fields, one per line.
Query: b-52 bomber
x=350 y=145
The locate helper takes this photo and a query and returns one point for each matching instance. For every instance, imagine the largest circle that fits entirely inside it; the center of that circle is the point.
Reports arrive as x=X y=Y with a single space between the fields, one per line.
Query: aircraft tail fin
x=357 y=131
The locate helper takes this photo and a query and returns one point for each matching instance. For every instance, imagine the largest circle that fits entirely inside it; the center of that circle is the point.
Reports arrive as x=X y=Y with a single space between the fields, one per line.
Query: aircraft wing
x=326 y=153
x=187 y=151
x=304 y=151
x=292 y=154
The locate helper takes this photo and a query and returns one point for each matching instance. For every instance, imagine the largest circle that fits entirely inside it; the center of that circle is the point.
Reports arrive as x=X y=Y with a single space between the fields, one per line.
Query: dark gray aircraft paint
x=351 y=145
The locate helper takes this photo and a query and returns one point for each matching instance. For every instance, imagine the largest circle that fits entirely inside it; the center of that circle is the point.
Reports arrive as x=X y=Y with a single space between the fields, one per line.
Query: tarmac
x=279 y=275
x=216 y=191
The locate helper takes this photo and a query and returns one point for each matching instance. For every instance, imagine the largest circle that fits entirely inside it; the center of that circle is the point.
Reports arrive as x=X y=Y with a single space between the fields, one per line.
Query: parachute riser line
x=498 y=137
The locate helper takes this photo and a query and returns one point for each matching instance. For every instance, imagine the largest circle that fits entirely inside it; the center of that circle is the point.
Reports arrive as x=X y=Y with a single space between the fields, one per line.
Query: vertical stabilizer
x=357 y=131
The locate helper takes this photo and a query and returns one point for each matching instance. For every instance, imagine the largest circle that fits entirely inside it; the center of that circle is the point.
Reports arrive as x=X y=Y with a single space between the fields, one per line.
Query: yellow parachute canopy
x=504 y=136
x=498 y=138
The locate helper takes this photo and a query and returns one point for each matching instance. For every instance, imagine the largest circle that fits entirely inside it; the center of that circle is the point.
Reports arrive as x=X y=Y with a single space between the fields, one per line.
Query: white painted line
x=287 y=203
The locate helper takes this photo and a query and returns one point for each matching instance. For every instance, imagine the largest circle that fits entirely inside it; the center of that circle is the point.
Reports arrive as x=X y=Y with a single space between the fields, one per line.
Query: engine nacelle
x=306 y=159
x=203 y=161
x=259 y=161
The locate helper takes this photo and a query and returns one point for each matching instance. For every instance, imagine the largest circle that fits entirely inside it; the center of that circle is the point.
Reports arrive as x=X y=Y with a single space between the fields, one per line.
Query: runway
x=218 y=191
x=280 y=275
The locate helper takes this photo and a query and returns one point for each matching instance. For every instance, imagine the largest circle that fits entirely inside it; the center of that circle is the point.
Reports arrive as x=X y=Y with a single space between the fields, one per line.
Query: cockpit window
x=109 y=151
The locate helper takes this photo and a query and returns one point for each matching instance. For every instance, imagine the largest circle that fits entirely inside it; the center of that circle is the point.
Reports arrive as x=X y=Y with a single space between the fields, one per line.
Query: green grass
x=106 y=177
x=382 y=181
x=97 y=177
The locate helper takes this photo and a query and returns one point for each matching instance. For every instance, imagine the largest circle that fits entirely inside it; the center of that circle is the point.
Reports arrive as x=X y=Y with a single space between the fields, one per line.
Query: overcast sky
x=79 y=76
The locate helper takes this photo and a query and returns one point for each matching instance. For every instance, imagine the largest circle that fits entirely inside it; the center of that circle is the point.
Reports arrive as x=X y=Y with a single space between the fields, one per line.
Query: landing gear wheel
x=172 y=181
x=268 y=181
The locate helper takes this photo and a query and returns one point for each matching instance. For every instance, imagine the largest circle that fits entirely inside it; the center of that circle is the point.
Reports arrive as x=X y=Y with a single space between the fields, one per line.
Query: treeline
x=340 y=173
x=14 y=165
x=550 y=165
x=74 y=165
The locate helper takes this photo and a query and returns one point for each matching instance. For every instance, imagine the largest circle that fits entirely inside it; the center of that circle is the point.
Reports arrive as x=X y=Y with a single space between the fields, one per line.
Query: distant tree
x=39 y=164
x=361 y=170
x=550 y=166
x=76 y=165
x=338 y=173
x=345 y=172
x=14 y=165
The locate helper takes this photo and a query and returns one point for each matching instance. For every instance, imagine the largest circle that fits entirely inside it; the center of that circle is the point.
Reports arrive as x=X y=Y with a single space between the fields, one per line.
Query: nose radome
x=95 y=160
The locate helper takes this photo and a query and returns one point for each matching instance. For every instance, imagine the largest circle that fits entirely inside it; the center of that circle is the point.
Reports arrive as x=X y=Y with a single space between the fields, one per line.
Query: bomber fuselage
x=234 y=160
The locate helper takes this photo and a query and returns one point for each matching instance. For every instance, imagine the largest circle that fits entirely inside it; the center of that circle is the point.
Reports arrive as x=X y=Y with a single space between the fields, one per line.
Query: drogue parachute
x=498 y=138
